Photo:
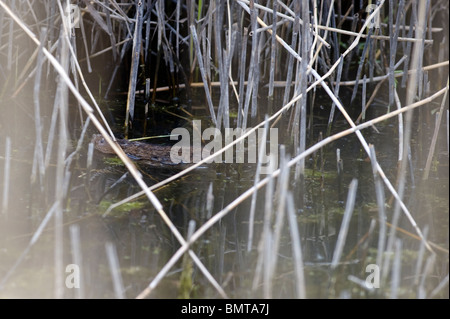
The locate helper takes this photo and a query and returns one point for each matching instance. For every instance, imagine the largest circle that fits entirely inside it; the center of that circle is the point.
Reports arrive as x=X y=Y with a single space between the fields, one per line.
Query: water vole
x=150 y=154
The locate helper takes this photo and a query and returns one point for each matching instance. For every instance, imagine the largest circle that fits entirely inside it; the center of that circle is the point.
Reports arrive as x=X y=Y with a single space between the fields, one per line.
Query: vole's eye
x=102 y=141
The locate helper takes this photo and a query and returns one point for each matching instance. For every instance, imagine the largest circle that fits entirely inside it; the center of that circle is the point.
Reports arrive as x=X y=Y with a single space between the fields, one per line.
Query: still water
x=144 y=243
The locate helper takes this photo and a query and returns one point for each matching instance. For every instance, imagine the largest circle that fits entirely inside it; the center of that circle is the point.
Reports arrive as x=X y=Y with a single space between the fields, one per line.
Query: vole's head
x=100 y=144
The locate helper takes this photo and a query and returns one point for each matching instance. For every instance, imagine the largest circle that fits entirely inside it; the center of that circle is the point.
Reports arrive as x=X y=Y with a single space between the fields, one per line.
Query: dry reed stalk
x=125 y=47
x=2 y=14
x=30 y=74
x=242 y=79
x=281 y=15
x=314 y=57
x=74 y=60
x=363 y=98
x=177 y=28
x=336 y=92
x=400 y=126
x=224 y=102
x=282 y=193
x=39 y=149
x=393 y=44
x=83 y=32
x=110 y=29
x=61 y=177
x=301 y=107
x=253 y=66
x=295 y=30
x=448 y=131
x=203 y=74
x=10 y=38
x=435 y=136
x=361 y=64
x=136 y=50
x=399 y=74
x=51 y=132
x=273 y=50
x=351 y=40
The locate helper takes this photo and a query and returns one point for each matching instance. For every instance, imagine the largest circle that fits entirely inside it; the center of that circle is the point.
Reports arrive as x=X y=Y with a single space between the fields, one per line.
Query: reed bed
x=251 y=65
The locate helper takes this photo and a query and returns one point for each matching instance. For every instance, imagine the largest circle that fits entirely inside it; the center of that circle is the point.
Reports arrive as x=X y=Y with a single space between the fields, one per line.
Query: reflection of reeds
x=379 y=190
x=75 y=244
x=6 y=176
x=296 y=249
x=251 y=220
x=350 y=204
x=396 y=270
x=114 y=267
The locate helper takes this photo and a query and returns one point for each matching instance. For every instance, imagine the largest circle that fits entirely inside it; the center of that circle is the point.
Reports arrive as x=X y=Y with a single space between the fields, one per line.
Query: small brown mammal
x=149 y=154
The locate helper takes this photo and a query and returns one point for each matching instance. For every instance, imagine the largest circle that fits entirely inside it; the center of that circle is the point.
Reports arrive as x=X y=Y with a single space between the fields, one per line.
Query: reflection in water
x=144 y=243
